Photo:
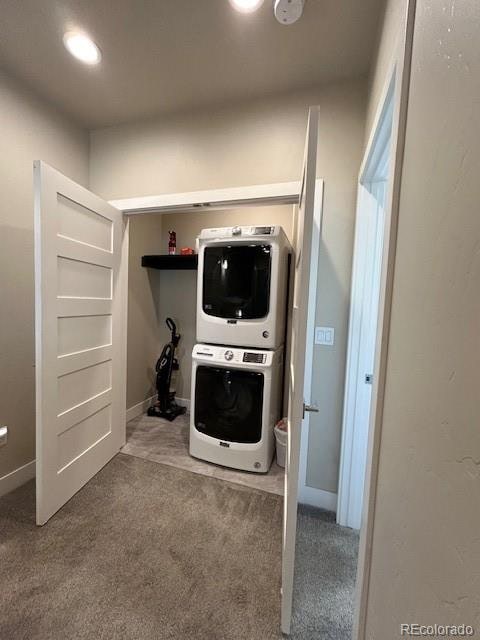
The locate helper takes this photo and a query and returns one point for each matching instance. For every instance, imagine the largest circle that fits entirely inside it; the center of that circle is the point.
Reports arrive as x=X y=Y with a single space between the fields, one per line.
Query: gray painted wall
x=426 y=543
x=30 y=130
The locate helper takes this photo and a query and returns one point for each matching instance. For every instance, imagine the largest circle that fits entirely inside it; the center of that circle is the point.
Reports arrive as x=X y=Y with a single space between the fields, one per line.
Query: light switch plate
x=325 y=336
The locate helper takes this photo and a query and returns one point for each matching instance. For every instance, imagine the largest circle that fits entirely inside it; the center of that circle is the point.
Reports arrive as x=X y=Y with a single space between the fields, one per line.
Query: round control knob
x=229 y=355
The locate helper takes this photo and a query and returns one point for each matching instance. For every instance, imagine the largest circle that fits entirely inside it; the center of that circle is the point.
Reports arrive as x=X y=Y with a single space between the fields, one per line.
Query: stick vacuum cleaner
x=166 y=407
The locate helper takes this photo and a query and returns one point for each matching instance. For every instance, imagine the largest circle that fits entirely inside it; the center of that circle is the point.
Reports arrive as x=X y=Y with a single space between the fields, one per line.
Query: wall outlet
x=3 y=436
x=325 y=336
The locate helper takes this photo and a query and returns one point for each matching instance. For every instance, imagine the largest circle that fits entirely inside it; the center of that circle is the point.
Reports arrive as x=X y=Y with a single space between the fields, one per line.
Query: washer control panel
x=254 y=356
x=234 y=356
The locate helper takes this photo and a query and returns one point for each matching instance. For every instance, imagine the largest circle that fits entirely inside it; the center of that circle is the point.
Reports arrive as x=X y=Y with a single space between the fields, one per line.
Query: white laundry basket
x=281 y=440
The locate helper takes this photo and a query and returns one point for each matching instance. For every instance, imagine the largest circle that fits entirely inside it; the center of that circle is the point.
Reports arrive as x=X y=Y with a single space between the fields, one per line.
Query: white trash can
x=281 y=440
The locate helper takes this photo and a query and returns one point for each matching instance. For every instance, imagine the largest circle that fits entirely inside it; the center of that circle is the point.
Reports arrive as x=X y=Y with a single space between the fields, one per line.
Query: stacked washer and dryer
x=237 y=367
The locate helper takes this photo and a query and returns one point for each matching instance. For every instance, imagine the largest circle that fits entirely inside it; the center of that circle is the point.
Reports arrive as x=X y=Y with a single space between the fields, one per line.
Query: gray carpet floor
x=143 y=551
x=325 y=573
x=166 y=442
x=147 y=551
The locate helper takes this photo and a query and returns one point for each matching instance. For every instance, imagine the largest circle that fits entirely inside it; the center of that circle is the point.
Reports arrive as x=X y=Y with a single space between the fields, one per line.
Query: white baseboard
x=318 y=498
x=141 y=407
x=183 y=402
x=16 y=478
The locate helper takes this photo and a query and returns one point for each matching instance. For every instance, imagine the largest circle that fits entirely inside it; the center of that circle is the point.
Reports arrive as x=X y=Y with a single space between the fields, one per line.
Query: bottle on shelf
x=172 y=243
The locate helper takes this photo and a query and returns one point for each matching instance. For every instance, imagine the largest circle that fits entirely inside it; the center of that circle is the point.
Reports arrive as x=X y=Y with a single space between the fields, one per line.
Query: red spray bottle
x=172 y=243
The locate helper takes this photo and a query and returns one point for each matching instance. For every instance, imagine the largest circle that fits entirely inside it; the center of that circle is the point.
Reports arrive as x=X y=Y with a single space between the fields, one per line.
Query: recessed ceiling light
x=246 y=6
x=82 y=47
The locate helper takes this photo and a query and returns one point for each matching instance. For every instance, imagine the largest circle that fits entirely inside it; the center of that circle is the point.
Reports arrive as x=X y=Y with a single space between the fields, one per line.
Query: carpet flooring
x=325 y=573
x=146 y=551
x=166 y=442
x=143 y=552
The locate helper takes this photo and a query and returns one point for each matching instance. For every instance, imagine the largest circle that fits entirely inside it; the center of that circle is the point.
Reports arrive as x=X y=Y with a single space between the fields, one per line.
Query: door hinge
x=369 y=378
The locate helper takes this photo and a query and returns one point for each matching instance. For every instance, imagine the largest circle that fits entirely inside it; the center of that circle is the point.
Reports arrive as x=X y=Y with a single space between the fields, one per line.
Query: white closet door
x=80 y=336
x=303 y=246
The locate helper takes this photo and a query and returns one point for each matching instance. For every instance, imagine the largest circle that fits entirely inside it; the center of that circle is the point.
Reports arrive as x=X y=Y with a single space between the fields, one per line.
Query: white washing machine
x=242 y=286
x=235 y=404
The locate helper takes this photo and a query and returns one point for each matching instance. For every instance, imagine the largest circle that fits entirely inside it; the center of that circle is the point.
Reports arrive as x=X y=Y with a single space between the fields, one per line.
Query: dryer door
x=236 y=281
x=229 y=404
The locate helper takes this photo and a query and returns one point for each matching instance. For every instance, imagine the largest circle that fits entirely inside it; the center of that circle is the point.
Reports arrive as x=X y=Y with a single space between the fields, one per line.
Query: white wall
x=253 y=143
x=30 y=130
x=426 y=542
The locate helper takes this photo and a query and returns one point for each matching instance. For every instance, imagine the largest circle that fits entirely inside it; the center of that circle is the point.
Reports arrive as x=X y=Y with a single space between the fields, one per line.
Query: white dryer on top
x=242 y=286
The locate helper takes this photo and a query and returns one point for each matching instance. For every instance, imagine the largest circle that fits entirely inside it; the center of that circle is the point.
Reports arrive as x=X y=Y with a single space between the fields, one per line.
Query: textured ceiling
x=165 y=55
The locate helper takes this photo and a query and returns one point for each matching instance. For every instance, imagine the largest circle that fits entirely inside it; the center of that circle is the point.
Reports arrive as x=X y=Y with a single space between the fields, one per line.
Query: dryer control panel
x=239 y=232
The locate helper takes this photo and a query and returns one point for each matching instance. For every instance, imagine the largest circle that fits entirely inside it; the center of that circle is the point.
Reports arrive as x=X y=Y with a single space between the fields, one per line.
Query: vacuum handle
x=171 y=325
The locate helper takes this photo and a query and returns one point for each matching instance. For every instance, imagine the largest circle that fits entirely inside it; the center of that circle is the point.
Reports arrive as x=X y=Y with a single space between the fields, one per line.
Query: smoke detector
x=288 y=11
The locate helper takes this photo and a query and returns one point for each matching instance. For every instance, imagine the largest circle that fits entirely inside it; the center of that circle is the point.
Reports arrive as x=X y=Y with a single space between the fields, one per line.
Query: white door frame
x=306 y=494
x=263 y=194
x=400 y=71
x=354 y=435
x=259 y=194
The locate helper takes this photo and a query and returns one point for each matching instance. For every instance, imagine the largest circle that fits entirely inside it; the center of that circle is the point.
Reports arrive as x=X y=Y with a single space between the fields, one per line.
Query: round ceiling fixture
x=288 y=11
x=82 y=47
x=246 y=6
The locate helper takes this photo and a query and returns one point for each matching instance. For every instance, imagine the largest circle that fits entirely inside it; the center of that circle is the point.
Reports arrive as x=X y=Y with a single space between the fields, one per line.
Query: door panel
x=304 y=234
x=77 y=279
x=80 y=333
x=80 y=326
x=81 y=224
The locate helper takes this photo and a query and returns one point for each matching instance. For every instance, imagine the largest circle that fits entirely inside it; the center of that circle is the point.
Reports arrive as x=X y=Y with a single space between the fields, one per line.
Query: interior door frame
x=354 y=436
x=211 y=199
x=280 y=193
x=399 y=69
x=306 y=494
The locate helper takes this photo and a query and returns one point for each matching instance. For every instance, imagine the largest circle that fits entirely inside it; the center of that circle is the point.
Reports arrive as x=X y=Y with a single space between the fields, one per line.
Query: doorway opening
x=364 y=310
x=167 y=292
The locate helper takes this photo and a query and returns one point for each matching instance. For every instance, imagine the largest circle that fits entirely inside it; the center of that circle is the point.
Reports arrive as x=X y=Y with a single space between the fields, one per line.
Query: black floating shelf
x=170 y=262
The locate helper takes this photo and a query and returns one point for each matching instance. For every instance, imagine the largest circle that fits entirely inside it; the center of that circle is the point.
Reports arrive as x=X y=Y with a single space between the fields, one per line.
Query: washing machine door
x=236 y=281
x=229 y=403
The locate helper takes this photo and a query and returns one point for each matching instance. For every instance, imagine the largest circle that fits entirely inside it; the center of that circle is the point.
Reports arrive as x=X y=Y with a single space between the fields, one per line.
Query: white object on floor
x=235 y=404
x=281 y=446
x=236 y=266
